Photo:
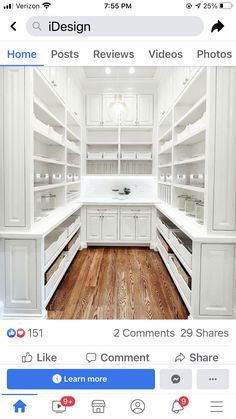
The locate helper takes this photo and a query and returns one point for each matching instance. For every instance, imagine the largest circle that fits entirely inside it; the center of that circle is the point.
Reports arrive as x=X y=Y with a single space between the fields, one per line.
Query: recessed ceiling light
x=107 y=70
x=131 y=70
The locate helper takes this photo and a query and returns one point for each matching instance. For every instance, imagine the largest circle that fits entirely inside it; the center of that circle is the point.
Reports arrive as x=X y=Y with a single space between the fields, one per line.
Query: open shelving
x=182 y=144
x=119 y=150
x=56 y=147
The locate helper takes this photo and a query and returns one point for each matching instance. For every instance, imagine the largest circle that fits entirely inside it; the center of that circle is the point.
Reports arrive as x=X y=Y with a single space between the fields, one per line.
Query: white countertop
x=119 y=201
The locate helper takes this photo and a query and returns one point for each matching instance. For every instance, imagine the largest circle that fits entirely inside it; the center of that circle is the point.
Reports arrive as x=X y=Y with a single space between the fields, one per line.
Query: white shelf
x=189 y=188
x=194 y=138
x=195 y=112
x=102 y=159
x=71 y=150
x=165 y=183
x=75 y=166
x=46 y=187
x=47 y=160
x=73 y=135
x=102 y=143
x=47 y=116
x=136 y=144
x=73 y=183
x=163 y=166
x=187 y=224
x=167 y=134
x=46 y=139
x=190 y=161
x=166 y=150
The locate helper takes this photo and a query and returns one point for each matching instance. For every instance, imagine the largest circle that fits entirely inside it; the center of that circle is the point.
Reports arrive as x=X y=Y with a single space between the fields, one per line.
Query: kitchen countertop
x=117 y=201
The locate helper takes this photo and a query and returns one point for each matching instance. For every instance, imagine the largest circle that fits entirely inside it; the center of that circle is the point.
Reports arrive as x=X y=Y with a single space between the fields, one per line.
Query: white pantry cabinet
x=224 y=183
x=135 y=226
x=217 y=279
x=145 y=110
x=140 y=110
x=14 y=146
x=130 y=117
x=108 y=118
x=102 y=225
x=94 y=109
x=21 y=267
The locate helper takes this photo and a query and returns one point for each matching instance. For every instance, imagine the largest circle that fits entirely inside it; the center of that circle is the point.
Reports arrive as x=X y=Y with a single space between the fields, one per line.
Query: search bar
x=128 y=26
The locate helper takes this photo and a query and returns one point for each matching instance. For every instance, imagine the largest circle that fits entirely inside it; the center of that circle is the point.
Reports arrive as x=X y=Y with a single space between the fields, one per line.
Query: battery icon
x=226 y=5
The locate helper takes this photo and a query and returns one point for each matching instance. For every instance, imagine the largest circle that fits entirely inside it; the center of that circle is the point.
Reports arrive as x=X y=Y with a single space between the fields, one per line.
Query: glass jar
x=190 y=206
x=48 y=202
x=199 y=212
x=181 y=201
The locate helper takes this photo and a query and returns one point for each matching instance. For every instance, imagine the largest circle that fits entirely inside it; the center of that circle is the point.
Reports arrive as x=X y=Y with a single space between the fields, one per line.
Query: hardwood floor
x=117 y=283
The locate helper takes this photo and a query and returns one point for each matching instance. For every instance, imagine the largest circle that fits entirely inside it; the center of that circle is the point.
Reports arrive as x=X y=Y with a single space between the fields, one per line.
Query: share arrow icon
x=180 y=357
x=217 y=26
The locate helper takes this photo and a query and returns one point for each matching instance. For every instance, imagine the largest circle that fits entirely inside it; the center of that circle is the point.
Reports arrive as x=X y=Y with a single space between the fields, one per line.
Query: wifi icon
x=46 y=5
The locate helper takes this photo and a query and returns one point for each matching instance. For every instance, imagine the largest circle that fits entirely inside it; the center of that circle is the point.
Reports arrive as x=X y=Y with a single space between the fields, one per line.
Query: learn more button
x=81 y=379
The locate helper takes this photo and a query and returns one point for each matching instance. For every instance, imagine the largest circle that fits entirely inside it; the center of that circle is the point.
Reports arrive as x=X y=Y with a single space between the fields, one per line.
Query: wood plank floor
x=117 y=283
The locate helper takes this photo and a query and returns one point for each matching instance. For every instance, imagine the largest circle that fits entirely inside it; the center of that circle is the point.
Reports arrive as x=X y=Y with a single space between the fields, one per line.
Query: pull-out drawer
x=72 y=224
x=53 y=242
x=166 y=227
x=180 y=282
x=54 y=275
x=165 y=254
x=183 y=246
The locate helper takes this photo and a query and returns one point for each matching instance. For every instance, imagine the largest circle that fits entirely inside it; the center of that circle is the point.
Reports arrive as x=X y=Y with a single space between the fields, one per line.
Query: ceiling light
x=107 y=70
x=131 y=70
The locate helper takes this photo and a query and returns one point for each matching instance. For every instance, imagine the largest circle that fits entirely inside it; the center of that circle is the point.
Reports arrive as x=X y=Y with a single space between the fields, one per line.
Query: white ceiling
x=120 y=73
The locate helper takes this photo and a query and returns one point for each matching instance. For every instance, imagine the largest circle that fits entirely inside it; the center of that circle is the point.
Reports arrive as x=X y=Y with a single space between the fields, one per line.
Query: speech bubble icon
x=91 y=357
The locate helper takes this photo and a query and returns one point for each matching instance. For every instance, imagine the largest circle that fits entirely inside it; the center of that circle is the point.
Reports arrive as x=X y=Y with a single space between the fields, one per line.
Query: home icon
x=19 y=407
x=98 y=406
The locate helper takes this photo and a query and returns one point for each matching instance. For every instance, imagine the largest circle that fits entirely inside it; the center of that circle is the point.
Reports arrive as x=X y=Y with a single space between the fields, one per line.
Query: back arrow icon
x=13 y=26
x=217 y=27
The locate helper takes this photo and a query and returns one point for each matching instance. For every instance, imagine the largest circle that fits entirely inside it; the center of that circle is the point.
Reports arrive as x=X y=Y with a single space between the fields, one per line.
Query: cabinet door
x=21 y=274
x=127 y=227
x=143 y=227
x=108 y=118
x=217 y=279
x=109 y=227
x=94 y=110
x=130 y=117
x=145 y=110
x=224 y=211
x=94 y=231
x=58 y=78
x=13 y=142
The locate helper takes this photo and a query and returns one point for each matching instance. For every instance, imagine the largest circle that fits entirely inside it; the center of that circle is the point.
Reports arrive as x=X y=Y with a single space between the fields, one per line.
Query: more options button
x=81 y=379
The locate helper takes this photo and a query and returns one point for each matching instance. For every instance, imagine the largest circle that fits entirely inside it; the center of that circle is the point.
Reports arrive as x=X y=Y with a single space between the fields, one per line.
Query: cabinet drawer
x=100 y=210
x=71 y=252
x=182 y=245
x=53 y=242
x=132 y=210
x=71 y=224
x=180 y=283
x=55 y=278
x=164 y=254
x=166 y=227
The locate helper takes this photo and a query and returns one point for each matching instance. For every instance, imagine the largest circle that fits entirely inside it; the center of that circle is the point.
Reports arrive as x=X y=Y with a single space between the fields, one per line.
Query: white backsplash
x=101 y=187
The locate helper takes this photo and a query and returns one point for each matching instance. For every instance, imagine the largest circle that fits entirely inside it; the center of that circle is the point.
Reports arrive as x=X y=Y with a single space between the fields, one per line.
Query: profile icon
x=137 y=406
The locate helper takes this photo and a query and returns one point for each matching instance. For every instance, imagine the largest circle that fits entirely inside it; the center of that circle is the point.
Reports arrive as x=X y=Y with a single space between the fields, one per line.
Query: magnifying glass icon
x=36 y=25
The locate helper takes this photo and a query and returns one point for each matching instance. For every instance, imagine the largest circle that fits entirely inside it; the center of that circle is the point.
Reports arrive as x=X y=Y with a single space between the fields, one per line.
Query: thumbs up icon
x=27 y=358
x=176 y=407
